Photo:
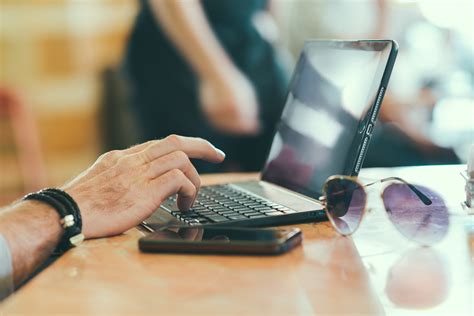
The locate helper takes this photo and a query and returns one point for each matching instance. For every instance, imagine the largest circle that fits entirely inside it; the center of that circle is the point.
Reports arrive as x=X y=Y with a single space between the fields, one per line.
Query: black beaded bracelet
x=66 y=199
x=67 y=210
x=75 y=231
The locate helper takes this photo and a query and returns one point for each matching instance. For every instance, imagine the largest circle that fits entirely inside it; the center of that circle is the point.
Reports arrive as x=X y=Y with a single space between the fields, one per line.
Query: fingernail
x=220 y=152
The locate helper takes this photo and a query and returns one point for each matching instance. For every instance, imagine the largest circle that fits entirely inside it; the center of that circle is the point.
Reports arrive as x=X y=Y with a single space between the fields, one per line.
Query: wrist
x=35 y=210
x=32 y=230
x=69 y=213
x=85 y=205
x=218 y=72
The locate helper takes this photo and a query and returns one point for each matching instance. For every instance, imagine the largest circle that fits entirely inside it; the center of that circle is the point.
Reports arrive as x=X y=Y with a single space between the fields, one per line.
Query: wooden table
x=374 y=272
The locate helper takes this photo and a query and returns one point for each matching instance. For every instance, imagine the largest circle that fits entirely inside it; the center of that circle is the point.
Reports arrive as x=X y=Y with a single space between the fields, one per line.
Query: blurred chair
x=117 y=125
x=25 y=138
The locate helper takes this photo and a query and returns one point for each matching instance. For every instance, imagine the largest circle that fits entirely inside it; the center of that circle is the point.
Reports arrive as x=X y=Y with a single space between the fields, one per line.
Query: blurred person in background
x=402 y=136
x=208 y=69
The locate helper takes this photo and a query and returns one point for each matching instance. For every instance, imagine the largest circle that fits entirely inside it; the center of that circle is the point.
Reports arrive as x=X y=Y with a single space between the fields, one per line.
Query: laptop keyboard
x=223 y=203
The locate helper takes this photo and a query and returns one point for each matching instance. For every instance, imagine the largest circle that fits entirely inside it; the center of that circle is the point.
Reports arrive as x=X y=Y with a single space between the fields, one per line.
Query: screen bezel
x=357 y=153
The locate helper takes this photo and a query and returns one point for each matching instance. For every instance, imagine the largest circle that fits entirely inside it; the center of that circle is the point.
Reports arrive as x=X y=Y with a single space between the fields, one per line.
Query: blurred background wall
x=53 y=54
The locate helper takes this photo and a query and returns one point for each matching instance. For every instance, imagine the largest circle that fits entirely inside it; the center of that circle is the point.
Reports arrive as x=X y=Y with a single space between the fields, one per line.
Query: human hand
x=229 y=103
x=124 y=187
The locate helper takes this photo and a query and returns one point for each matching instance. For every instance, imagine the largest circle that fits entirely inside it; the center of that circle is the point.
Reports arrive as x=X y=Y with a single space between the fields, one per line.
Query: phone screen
x=219 y=234
x=225 y=240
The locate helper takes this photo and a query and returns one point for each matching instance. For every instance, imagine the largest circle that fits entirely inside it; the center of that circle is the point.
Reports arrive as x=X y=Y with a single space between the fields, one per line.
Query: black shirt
x=151 y=53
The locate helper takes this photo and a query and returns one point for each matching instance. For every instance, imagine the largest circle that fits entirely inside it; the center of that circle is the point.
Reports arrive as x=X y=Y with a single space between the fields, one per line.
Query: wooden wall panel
x=52 y=52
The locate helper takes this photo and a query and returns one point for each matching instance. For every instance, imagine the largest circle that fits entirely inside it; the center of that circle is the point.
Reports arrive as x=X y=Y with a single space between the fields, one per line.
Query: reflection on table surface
x=419 y=279
x=411 y=279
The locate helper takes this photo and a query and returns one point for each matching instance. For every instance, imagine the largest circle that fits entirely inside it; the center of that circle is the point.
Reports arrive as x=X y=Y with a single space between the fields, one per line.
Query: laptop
x=324 y=129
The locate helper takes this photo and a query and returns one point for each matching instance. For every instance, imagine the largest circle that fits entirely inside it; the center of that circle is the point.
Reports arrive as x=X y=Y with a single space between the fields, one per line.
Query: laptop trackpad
x=279 y=195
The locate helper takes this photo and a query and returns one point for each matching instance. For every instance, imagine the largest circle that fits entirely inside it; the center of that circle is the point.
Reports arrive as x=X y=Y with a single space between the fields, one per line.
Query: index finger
x=194 y=147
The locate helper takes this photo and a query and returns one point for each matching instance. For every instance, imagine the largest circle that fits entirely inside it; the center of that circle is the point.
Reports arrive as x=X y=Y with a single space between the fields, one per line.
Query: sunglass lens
x=425 y=224
x=345 y=202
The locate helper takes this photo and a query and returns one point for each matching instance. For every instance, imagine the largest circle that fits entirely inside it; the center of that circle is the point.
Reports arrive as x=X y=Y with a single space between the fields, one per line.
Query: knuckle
x=146 y=156
x=111 y=155
x=108 y=159
x=180 y=156
x=174 y=140
x=125 y=161
x=177 y=174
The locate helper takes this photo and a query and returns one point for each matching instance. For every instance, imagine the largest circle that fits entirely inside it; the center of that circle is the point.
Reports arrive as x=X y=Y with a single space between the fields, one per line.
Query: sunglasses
x=417 y=212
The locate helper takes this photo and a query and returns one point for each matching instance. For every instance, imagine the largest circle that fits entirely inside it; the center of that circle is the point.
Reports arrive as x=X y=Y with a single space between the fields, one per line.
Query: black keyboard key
x=193 y=221
x=253 y=214
x=240 y=209
x=270 y=211
x=225 y=202
x=208 y=214
x=236 y=207
x=237 y=217
x=213 y=205
x=220 y=208
x=227 y=212
x=232 y=204
x=203 y=211
x=218 y=218
x=247 y=211
x=257 y=216
x=274 y=213
x=245 y=201
x=189 y=212
x=252 y=204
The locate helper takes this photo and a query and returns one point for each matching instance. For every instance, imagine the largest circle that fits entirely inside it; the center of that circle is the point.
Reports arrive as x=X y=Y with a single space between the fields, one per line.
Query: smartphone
x=221 y=240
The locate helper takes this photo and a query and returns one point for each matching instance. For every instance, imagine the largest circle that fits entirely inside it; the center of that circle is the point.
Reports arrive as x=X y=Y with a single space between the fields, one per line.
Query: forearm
x=186 y=25
x=32 y=231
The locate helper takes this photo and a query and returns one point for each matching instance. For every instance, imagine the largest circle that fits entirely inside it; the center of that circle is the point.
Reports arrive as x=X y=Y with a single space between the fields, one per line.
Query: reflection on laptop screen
x=334 y=86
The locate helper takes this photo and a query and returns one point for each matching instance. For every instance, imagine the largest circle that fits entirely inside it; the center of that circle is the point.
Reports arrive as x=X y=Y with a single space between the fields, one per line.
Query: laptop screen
x=330 y=102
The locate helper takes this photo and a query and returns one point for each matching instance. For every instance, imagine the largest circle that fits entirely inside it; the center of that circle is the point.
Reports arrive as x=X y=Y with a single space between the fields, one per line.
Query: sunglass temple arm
x=426 y=200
